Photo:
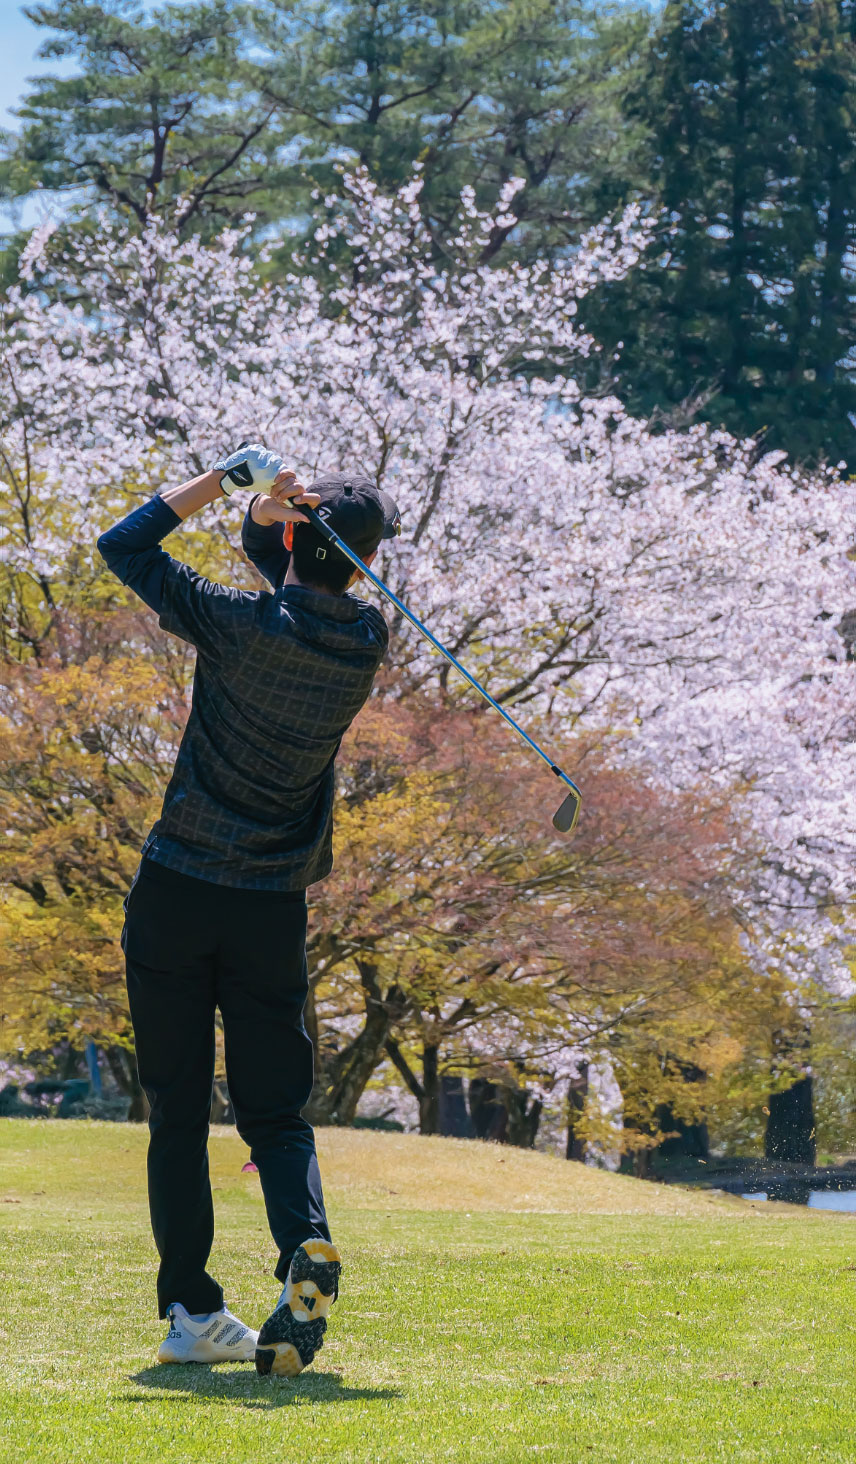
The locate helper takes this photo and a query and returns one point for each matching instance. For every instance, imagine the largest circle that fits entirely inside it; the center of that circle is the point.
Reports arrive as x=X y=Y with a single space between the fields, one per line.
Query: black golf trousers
x=191 y=947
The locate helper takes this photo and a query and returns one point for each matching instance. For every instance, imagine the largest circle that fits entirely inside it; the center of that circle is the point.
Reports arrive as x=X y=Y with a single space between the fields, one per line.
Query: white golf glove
x=252 y=466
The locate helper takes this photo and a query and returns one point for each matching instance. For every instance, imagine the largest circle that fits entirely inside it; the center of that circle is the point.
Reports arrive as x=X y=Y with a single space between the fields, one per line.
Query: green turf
x=485 y=1337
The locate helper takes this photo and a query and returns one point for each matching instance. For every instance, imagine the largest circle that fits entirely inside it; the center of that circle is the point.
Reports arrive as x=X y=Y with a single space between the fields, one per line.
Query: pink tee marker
x=249 y=1167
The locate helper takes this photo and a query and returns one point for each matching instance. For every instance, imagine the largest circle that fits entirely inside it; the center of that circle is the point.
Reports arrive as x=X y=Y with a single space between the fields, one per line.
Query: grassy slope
x=497 y=1307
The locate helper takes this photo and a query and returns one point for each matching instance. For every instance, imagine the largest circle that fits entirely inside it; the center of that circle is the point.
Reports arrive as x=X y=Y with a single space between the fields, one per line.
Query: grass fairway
x=497 y=1307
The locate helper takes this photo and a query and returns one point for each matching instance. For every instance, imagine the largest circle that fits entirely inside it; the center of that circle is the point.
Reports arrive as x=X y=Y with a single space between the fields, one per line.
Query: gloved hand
x=252 y=466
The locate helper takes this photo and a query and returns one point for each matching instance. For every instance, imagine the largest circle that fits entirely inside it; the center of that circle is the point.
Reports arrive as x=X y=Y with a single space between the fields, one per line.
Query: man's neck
x=292 y=578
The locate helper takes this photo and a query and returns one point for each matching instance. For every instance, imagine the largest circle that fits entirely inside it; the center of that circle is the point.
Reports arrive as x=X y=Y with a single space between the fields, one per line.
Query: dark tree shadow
x=244 y=1387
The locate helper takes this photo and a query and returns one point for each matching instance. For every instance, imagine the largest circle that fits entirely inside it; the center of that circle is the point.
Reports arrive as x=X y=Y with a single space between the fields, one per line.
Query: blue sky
x=19 y=40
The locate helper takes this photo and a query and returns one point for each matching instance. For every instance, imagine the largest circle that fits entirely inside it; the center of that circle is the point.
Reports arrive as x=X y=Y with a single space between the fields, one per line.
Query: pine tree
x=477 y=91
x=747 y=302
x=162 y=115
x=206 y=110
x=822 y=325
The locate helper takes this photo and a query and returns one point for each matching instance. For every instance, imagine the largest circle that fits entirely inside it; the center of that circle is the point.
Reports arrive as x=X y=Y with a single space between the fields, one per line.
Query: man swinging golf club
x=216 y=914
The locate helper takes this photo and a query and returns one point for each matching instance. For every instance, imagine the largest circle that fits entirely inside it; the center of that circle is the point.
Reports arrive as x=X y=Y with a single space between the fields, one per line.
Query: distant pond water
x=803 y=1194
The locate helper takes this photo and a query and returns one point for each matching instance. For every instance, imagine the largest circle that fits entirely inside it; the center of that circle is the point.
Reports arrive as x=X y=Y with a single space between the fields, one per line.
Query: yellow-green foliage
x=452 y=910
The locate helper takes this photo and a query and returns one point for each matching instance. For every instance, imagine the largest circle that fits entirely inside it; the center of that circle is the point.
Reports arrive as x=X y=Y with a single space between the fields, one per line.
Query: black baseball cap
x=357 y=510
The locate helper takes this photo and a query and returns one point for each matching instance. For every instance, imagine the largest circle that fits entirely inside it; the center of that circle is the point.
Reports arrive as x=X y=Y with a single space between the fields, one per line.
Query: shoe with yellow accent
x=293 y=1333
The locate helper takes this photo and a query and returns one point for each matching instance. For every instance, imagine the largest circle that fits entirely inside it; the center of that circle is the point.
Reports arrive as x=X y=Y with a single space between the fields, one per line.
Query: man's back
x=250 y=801
x=279 y=678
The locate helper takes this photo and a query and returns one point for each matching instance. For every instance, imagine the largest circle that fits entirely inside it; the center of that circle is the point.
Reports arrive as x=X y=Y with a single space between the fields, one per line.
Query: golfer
x=216 y=913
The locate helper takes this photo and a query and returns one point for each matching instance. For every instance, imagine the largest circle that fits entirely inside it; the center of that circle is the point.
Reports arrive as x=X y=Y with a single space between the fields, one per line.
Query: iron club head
x=566 y=815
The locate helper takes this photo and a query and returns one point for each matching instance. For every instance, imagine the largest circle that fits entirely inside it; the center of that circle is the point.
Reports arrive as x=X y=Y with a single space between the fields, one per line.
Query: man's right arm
x=262 y=542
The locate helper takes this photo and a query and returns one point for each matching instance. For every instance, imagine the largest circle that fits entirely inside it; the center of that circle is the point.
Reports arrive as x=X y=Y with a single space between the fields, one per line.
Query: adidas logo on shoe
x=219 y=1337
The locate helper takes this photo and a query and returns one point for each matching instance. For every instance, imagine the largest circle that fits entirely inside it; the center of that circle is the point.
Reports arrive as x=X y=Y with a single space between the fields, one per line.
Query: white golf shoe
x=219 y=1337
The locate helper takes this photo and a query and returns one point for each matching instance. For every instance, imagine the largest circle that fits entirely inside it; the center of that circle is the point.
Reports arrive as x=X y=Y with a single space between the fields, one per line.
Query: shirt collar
x=315 y=602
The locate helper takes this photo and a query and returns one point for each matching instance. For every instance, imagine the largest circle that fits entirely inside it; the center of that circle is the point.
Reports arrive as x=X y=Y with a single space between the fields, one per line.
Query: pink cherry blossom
x=679 y=594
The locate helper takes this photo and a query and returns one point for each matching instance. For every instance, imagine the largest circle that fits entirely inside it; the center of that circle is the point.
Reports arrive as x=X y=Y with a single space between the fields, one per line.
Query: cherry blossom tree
x=675 y=596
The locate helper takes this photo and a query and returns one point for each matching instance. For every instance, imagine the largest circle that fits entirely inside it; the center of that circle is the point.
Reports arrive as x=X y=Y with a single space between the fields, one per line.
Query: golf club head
x=566 y=815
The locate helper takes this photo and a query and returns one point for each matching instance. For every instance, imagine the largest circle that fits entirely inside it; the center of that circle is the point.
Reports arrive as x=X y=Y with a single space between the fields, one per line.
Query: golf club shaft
x=333 y=538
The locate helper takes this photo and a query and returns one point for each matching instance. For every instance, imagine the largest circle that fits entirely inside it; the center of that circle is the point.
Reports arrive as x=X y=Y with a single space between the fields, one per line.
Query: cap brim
x=391 y=516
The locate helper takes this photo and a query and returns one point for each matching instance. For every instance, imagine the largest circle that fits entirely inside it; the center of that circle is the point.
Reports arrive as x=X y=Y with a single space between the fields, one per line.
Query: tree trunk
x=342 y=1079
x=70 y=1063
x=123 y=1066
x=790 y=1126
x=577 y=1092
x=641 y=1163
x=342 y=1083
x=454 y=1115
x=90 y=1052
x=429 y=1101
x=489 y=1116
x=636 y=1159
x=736 y=305
x=789 y=1136
x=523 y=1117
x=690 y=1140
x=221 y=1105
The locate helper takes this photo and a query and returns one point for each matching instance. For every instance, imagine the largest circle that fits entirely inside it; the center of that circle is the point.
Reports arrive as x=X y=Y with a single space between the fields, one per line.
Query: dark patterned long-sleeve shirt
x=279 y=678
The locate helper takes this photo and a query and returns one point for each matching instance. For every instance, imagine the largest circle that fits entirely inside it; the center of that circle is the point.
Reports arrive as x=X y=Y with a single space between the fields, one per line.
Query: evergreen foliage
x=162 y=114
x=747 y=309
x=478 y=92
x=203 y=111
x=733 y=120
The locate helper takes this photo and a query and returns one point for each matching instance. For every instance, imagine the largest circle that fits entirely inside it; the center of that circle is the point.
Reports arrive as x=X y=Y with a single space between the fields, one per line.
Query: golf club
x=566 y=815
